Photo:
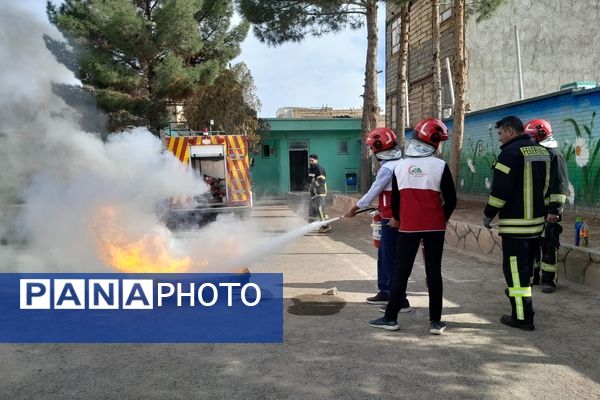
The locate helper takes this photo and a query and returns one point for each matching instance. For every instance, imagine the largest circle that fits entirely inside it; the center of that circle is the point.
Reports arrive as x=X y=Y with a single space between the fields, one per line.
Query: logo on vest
x=416 y=171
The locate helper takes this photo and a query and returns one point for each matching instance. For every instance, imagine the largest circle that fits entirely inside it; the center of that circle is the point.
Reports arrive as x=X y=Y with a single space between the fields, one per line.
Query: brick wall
x=420 y=62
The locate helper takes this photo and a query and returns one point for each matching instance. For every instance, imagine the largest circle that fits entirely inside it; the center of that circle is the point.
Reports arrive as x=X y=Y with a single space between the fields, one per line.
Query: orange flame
x=150 y=253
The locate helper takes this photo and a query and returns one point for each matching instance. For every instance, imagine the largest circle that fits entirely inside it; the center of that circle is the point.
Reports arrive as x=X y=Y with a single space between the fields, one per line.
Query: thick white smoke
x=62 y=190
x=56 y=179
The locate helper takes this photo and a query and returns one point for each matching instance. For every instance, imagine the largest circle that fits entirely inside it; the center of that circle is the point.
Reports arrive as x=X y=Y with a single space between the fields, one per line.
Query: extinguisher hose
x=365 y=210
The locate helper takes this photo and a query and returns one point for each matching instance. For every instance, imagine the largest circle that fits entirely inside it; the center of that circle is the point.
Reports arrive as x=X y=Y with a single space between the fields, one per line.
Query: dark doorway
x=298 y=170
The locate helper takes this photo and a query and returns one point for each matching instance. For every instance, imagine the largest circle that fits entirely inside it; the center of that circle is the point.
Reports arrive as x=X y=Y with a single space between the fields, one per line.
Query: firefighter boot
x=325 y=229
x=524 y=325
x=549 y=280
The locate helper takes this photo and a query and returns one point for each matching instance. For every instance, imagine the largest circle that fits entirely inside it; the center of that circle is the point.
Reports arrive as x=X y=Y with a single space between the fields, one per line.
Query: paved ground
x=331 y=352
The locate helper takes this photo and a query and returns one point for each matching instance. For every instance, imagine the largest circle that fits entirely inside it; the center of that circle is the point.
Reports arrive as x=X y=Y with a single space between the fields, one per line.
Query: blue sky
x=325 y=71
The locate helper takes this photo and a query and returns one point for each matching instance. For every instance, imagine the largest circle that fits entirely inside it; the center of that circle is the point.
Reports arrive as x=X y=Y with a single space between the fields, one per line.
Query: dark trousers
x=518 y=259
x=387 y=256
x=546 y=264
x=408 y=247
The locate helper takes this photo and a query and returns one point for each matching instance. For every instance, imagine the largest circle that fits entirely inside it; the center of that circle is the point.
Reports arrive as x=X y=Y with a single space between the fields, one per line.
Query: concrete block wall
x=576 y=264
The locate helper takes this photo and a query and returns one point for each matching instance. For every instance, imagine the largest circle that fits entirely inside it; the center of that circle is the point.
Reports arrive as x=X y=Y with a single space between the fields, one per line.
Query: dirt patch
x=316 y=304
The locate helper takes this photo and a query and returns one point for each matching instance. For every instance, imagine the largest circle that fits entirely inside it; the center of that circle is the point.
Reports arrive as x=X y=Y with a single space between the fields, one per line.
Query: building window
x=445 y=10
x=396 y=35
x=266 y=151
x=343 y=146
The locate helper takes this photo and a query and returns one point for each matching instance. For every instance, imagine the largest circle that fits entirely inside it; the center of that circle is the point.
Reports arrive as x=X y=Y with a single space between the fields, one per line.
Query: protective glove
x=487 y=222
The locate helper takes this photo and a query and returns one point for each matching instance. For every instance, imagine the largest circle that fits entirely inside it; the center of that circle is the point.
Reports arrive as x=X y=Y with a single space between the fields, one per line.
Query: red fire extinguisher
x=376 y=225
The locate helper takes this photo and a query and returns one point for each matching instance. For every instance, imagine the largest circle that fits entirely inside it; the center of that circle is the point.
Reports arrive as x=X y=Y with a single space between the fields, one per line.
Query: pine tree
x=137 y=56
x=230 y=102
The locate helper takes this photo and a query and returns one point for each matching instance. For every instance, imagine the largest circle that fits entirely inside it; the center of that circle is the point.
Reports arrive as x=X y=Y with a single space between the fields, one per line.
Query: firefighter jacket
x=520 y=181
x=317 y=180
x=559 y=183
x=423 y=194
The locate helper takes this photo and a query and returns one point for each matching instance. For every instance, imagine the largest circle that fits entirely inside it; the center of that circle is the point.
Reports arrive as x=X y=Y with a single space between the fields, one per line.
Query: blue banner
x=141 y=308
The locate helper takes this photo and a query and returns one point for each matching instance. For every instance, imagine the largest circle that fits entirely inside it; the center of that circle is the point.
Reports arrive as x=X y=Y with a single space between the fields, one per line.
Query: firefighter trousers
x=408 y=247
x=518 y=258
x=316 y=209
x=546 y=264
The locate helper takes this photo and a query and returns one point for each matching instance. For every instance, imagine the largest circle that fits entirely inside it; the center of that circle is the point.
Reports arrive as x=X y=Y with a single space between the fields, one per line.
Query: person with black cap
x=382 y=142
x=317 y=180
x=519 y=185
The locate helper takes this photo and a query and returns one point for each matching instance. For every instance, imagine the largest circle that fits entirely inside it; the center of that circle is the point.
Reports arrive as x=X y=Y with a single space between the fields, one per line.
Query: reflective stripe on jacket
x=520 y=181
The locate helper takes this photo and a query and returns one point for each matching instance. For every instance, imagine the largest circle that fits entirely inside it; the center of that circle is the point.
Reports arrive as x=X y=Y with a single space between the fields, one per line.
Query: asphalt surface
x=329 y=351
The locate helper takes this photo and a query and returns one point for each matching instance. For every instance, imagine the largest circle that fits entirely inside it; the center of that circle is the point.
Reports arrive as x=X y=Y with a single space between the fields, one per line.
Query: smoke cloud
x=65 y=194
x=55 y=180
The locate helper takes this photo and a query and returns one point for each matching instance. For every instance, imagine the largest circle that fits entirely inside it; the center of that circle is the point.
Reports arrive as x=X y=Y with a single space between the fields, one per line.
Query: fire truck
x=222 y=161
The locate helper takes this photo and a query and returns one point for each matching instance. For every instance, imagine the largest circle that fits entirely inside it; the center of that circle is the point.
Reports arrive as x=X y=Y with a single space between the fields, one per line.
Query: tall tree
x=437 y=69
x=402 y=81
x=276 y=22
x=460 y=92
x=137 y=56
x=230 y=102
x=483 y=9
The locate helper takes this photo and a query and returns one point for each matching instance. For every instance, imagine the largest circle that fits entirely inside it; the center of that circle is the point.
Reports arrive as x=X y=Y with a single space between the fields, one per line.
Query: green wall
x=271 y=173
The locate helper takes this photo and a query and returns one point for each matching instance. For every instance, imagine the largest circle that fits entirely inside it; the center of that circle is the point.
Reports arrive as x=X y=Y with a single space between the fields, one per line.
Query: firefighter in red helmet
x=423 y=198
x=540 y=131
x=382 y=142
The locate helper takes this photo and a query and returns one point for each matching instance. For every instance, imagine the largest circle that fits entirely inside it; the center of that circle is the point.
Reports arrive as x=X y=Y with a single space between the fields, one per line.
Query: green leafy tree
x=230 y=102
x=137 y=56
x=276 y=22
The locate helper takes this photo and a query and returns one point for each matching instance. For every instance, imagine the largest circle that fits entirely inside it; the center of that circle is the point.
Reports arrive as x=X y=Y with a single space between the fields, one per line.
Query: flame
x=149 y=253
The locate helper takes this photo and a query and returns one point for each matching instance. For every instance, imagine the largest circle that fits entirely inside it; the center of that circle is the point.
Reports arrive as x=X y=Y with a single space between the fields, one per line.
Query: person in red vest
x=423 y=198
x=382 y=142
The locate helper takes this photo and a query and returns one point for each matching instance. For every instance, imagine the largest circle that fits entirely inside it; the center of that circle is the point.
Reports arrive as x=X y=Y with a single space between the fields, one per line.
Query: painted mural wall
x=575 y=120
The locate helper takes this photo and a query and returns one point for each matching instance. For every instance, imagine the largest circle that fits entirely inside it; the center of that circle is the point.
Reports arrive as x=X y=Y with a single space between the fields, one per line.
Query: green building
x=282 y=165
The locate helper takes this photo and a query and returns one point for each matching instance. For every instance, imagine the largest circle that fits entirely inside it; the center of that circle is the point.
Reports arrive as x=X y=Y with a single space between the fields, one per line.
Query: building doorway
x=298 y=165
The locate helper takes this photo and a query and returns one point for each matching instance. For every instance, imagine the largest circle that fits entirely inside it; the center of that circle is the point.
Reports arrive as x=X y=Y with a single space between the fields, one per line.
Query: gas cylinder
x=376 y=225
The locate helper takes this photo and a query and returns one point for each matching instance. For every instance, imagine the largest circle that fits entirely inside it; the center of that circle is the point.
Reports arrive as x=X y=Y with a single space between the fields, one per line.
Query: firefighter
x=518 y=189
x=317 y=180
x=541 y=132
x=382 y=142
x=423 y=198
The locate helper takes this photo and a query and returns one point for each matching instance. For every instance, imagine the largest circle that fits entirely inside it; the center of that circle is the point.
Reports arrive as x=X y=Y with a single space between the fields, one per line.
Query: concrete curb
x=576 y=264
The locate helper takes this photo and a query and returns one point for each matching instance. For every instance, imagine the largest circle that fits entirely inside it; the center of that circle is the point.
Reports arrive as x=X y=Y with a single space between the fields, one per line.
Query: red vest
x=419 y=182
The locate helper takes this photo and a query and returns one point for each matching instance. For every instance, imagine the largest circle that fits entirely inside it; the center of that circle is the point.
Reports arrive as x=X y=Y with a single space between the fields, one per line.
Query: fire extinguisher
x=376 y=225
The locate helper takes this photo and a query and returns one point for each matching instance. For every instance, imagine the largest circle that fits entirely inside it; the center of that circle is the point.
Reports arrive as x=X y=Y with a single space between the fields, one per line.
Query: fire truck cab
x=222 y=161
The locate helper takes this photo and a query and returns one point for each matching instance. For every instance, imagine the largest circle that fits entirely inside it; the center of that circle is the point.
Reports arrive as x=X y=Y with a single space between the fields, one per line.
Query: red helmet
x=381 y=139
x=539 y=129
x=431 y=131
